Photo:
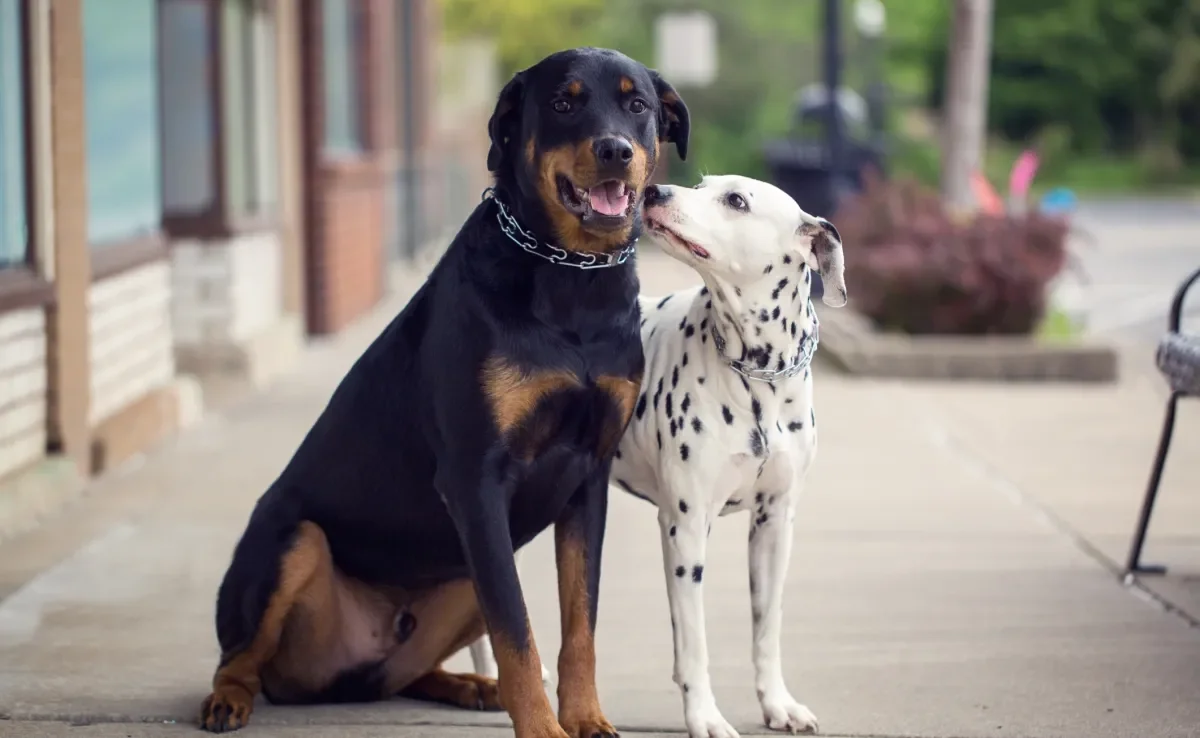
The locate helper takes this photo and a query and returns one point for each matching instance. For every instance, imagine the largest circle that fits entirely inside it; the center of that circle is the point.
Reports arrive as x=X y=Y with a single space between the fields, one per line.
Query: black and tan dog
x=488 y=410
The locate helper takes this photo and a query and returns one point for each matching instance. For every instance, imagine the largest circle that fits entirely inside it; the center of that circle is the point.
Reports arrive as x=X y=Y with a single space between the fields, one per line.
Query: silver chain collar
x=808 y=349
x=552 y=253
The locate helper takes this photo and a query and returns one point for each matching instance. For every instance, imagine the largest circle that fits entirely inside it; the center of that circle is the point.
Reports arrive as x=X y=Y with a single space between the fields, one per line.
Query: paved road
x=1136 y=253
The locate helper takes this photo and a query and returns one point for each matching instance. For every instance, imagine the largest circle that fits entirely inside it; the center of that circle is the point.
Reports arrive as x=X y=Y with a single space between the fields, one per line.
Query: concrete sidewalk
x=929 y=595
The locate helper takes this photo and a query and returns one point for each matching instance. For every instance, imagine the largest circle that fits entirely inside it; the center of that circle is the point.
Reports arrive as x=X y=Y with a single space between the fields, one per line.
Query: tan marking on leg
x=468 y=691
x=521 y=690
x=579 y=710
x=238 y=682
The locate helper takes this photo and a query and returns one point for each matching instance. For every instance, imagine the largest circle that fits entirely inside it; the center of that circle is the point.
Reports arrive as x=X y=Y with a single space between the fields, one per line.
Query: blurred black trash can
x=800 y=164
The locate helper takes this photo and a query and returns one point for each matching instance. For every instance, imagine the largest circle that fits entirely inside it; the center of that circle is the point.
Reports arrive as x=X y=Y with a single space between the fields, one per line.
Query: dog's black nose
x=656 y=195
x=612 y=151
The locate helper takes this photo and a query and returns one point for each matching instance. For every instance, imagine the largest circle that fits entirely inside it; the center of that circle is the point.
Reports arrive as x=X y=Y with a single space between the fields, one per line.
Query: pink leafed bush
x=913 y=267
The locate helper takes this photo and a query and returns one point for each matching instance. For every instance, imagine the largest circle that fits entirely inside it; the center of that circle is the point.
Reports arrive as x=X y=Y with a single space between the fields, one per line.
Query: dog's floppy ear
x=825 y=247
x=674 y=125
x=504 y=124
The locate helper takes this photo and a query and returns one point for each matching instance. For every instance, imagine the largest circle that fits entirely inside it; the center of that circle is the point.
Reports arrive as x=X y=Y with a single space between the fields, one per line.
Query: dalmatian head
x=739 y=230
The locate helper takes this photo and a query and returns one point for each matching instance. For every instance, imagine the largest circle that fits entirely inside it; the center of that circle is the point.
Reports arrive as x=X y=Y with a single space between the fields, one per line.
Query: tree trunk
x=964 y=121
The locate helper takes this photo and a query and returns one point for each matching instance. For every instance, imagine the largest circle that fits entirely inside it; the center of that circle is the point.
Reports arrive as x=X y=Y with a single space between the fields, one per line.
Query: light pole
x=870 y=18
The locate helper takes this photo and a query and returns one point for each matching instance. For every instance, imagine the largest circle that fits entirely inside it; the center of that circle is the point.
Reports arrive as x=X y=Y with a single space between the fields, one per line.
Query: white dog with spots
x=725 y=421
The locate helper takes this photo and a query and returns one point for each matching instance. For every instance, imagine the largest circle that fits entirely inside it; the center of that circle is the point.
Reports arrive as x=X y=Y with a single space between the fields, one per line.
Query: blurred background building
x=190 y=188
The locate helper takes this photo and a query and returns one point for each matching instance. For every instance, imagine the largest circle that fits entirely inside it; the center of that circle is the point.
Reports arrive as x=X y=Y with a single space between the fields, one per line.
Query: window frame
x=21 y=284
x=221 y=219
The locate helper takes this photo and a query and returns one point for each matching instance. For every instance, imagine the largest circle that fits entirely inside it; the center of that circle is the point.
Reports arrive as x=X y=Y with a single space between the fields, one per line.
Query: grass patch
x=1057 y=327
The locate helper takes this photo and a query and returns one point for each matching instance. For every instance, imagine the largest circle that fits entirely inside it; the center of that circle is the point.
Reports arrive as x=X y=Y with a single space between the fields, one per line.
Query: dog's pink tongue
x=609 y=198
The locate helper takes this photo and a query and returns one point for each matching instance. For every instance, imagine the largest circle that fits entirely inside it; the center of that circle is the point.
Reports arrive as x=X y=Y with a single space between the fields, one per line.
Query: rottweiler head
x=575 y=139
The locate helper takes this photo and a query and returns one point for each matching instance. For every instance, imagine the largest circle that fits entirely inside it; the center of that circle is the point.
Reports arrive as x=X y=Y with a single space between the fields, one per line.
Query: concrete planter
x=851 y=341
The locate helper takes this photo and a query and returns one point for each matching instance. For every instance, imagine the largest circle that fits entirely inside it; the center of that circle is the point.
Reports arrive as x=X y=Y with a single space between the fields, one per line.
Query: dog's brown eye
x=737 y=202
x=562 y=106
x=637 y=107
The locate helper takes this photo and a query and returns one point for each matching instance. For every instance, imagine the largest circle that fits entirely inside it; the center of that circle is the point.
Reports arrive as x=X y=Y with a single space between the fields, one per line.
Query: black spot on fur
x=669 y=406
x=683 y=323
x=787 y=259
x=745 y=384
x=704 y=324
x=641 y=406
x=737 y=291
x=683 y=508
x=756 y=408
x=671 y=532
x=687 y=402
x=697 y=425
x=684 y=451
x=674 y=382
x=691 y=331
x=725 y=413
x=658 y=435
x=674 y=428
x=768 y=269
x=658 y=392
x=795 y=293
x=708 y=305
x=775 y=313
x=795 y=425
x=684 y=360
x=793 y=330
x=699 y=380
x=680 y=571
x=703 y=291
x=662 y=302
x=697 y=573
x=763 y=315
x=756 y=442
x=685 y=688
x=812 y=415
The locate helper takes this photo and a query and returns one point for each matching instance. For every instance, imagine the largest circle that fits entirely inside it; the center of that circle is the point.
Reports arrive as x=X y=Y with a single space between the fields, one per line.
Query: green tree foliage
x=1077 y=76
x=765 y=54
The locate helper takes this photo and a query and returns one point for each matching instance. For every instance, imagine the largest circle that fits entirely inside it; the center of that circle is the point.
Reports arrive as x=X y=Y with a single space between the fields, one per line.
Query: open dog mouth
x=660 y=229
x=606 y=202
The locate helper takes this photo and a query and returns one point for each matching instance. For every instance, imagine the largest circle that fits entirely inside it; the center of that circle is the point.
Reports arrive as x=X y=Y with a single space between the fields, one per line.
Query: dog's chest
x=698 y=423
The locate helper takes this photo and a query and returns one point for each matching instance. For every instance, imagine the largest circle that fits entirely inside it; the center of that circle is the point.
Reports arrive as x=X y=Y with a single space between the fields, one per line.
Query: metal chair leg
x=1134 y=565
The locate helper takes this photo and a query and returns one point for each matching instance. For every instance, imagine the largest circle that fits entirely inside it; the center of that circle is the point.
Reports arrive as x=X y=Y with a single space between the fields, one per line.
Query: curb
x=853 y=343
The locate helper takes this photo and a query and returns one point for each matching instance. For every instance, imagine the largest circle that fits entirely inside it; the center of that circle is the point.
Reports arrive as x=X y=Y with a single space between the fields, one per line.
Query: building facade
x=188 y=189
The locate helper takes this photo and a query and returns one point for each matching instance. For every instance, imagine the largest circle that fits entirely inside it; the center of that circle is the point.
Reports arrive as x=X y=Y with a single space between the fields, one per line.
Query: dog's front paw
x=590 y=726
x=226 y=710
x=782 y=712
x=708 y=722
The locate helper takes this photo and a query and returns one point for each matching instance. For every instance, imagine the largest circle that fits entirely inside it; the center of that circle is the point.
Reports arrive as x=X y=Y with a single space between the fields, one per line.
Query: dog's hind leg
x=276 y=559
x=770 y=552
x=684 y=527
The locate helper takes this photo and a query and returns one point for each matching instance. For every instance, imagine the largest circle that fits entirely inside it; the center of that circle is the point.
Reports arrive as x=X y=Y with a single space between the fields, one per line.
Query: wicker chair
x=1178 y=359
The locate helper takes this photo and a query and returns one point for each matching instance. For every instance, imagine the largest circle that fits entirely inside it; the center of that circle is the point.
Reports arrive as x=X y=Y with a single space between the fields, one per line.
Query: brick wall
x=225 y=292
x=22 y=389
x=347 y=262
x=129 y=324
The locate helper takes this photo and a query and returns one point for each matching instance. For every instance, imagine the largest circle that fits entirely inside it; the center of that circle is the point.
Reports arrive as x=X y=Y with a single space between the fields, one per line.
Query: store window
x=122 y=118
x=339 y=42
x=14 y=199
